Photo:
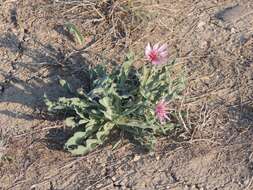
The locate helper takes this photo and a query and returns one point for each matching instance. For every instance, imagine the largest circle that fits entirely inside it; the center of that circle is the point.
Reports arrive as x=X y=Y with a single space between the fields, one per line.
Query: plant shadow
x=241 y=116
x=35 y=72
x=57 y=137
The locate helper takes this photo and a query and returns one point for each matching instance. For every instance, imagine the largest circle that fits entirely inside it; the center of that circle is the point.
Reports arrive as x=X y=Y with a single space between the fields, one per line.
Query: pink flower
x=156 y=54
x=161 y=111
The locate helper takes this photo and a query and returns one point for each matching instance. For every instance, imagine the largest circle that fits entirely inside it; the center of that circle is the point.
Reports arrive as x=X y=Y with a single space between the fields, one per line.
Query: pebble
x=136 y=158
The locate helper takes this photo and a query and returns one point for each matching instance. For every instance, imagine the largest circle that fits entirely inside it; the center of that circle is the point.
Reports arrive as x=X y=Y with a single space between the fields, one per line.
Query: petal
x=166 y=110
x=158 y=103
x=156 y=62
x=163 y=54
x=165 y=102
x=148 y=49
x=156 y=47
x=163 y=48
x=162 y=121
x=167 y=117
x=160 y=118
x=163 y=60
x=162 y=101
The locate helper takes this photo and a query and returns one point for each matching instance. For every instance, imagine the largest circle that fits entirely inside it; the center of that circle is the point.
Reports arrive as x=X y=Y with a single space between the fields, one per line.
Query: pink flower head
x=161 y=111
x=156 y=54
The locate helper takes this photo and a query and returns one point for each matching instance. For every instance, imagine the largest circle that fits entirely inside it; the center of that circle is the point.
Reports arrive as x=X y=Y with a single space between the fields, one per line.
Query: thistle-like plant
x=125 y=99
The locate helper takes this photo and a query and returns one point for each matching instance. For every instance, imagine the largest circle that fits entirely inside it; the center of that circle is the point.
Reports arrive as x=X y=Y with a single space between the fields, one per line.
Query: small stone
x=203 y=44
x=136 y=158
x=33 y=187
x=114 y=178
x=201 y=24
x=100 y=185
x=233 y=30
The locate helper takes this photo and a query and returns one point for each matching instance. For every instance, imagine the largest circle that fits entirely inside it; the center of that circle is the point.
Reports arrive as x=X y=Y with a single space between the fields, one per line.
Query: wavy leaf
x=73 y=29
x=70 y=122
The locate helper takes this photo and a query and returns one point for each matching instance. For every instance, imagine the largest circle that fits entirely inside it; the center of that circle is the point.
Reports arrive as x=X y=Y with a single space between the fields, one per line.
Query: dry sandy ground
x=212 y=39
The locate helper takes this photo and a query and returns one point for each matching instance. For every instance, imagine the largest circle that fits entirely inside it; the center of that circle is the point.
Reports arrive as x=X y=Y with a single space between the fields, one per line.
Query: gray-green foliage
x=73 y=30
x=122 y=99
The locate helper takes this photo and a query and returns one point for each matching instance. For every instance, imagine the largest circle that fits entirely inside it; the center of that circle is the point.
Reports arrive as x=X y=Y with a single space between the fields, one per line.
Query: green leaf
x=100 y=71
x=125 y=69
x=79 y=150
x=104 y=132
x=135 y=124
x=70 y=122
x=92 y=143
x=83 y=121
x=90 y=130
x=107 y=104
x=147 y=140
x=65 y=85
x=48 y=103
x=116 y=145
x=72 y=29
x=132 y=109
x=169 y=126
x=58 y=107
x=76 y=139
x=130 y=55
x=145 y=75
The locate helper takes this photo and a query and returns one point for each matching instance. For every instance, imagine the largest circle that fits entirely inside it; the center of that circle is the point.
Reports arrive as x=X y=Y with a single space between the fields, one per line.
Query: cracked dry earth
x=212 y=39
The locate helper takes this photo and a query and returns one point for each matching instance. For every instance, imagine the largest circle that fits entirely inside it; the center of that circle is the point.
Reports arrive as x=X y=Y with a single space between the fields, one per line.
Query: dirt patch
x=212 y=40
